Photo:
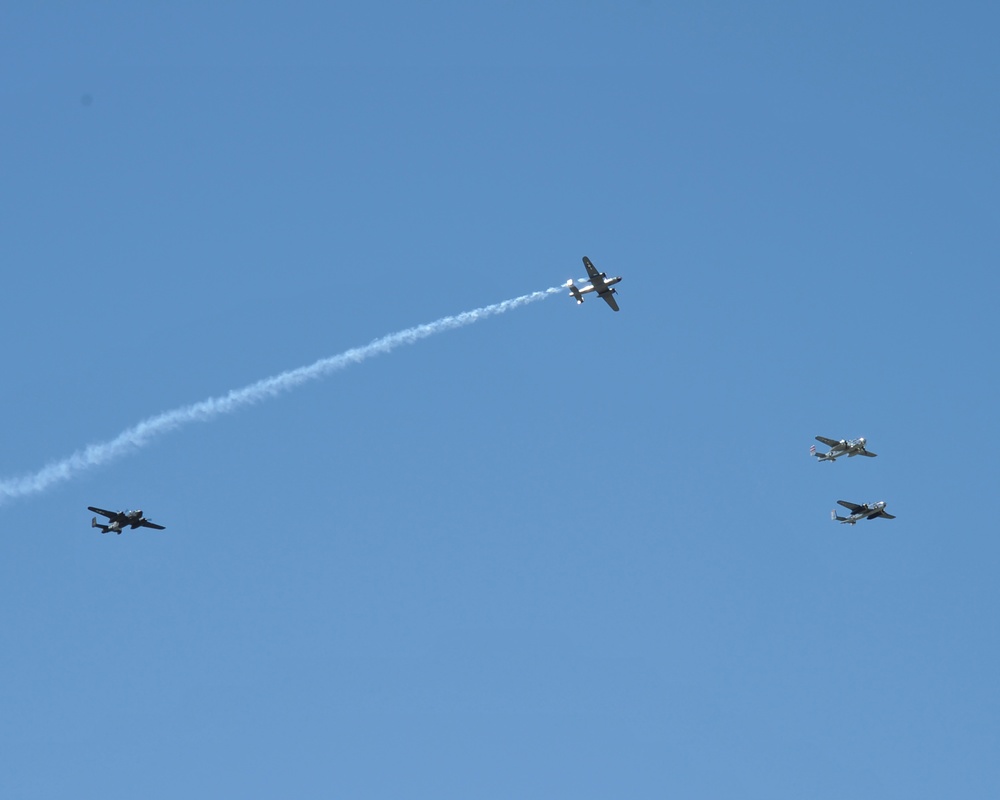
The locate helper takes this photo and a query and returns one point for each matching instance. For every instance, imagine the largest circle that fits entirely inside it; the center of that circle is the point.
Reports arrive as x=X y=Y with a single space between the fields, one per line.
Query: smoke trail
x=140 y=435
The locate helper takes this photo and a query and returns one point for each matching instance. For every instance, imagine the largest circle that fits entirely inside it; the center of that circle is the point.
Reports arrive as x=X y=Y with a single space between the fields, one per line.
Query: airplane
x=845 y=447
x=863 y=511
x=119 y=520
x=599 y=282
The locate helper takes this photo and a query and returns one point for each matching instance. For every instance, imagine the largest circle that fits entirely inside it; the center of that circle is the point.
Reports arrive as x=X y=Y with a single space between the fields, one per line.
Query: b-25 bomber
x=119 y=520
x=862 y=511
x=599 y=282
x=845 y=447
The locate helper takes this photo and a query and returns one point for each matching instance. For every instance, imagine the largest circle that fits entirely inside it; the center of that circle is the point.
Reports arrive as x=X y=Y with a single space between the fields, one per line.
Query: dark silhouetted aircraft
x=599 y=282
x=119 y=520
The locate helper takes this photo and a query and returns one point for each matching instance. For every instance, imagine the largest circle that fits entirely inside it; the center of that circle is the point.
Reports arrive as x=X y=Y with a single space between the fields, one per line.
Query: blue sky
x=561 y=552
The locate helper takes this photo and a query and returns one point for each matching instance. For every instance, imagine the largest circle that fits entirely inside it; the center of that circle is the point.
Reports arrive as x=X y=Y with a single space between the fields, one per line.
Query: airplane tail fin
x=95 y=524
x=574 y=291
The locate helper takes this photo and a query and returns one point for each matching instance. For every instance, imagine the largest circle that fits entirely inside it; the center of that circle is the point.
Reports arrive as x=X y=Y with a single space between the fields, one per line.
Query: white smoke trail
x=140 y=435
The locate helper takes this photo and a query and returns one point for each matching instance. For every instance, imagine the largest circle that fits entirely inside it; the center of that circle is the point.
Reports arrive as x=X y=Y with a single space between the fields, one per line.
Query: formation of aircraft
x=599 y=282
x=862 y=511
x=851 y=448
x=119 y=520
x=845 y=447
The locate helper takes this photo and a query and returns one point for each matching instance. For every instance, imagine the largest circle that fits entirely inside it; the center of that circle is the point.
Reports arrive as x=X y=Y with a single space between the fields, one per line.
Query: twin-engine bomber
x=851 y=448
x=863 y=511
x=119 y=520
x=845 y=447
x=599 y=282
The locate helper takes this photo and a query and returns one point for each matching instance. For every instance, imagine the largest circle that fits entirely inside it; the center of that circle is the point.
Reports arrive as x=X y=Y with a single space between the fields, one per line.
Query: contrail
x=140 y=435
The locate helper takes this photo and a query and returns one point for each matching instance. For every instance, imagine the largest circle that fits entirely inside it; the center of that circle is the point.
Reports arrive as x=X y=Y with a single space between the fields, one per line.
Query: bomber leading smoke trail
x=140 y=435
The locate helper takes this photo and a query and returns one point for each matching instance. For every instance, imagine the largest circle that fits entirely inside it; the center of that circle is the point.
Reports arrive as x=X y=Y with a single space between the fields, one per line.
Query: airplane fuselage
x=601 y=288
x=849 y=448
x=837 y=452
x=120 y=521
x=608 y=282
x=866 y=511
x=853 y=517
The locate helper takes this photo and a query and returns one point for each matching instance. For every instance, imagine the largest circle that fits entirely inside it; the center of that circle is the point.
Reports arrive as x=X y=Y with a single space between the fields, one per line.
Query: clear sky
x=560 y=552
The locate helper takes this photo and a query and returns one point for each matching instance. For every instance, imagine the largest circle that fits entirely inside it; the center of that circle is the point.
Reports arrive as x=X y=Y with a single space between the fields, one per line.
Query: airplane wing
x=591 y=269
x=867 y=453
x=609 y=298
x=852 y=506
x=102 y=512
x=888 y=516
x=827 y=442
x=147 y=524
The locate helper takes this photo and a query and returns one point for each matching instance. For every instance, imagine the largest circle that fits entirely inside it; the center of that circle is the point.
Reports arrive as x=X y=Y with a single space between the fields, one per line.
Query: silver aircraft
x=845 y=447
x=863 y=511
x=119 y=520
x=599 y=282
